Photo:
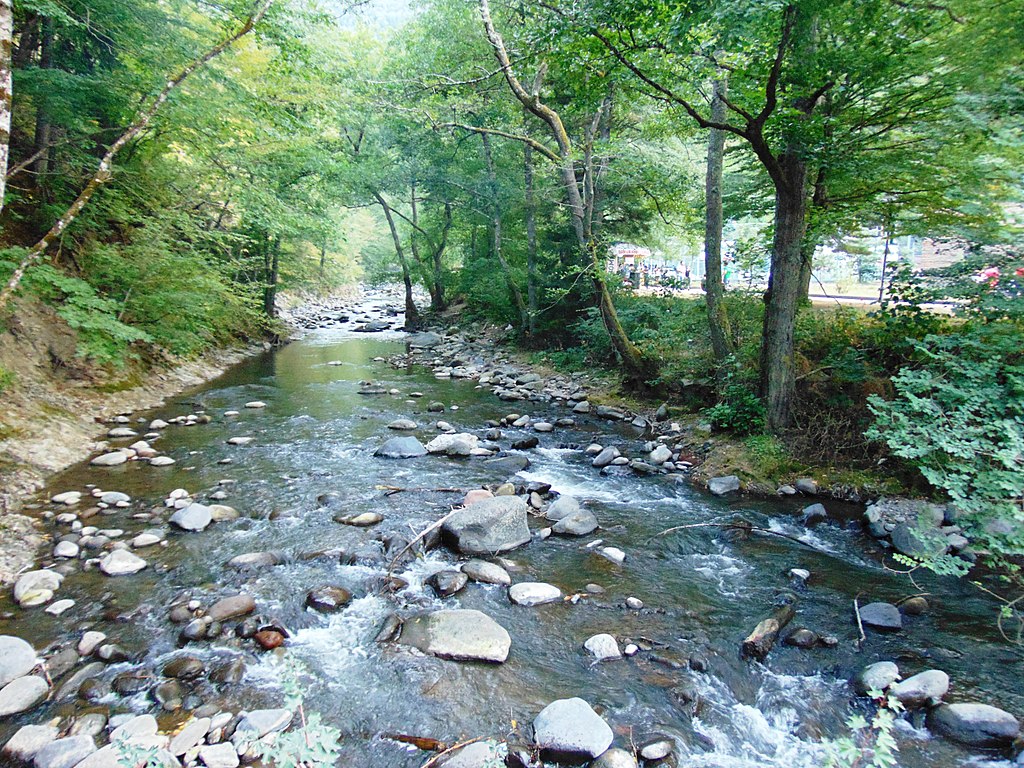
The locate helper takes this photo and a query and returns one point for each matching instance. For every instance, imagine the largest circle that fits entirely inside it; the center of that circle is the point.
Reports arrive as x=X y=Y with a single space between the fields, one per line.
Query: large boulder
x=720 y=486
x=17 y=658
x=924 y=689
x=885 y=616
x=569 y=729
x=194 y=517
x=577 y=524
x=407 y=447
x=461 y=635
x=876 y=677
x=36 y=587
x=489 y=526
x=921 y=543
x=977 y=725
x=22 y=694
x=562 y=507
x=459 y=444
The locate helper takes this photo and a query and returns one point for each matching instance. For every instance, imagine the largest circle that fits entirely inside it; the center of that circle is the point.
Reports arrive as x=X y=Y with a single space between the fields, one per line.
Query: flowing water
x=702 y=592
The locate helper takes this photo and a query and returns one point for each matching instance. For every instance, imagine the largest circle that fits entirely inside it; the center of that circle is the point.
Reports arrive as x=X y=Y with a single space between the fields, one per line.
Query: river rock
x=977 y=725
x=605 y=457
x=328 y=598
x=65 y=550
x=22 y=694
x=36 y=587
x=65 y=753
x=924 y=689
x=577 y=524
x=562 y=507
x=121 y=562
x=510 y=465
x=194 y=517
x=615 y=758
x=460 y=444
x=531 y=593
x=814 y=514
x=720 y=486
x=361 y=520
x=189 y=736
x=256 y=404
x=486 y=573
x=881 y=616
x=461 y=635
x=876 y=677
x=570 y=729
x=447 y=583
x=161 y=461
x=254 y=560
x=113 y=498
x=260 y=722
x=660 y=455
x=402 y=424
x=221 y=755
x=68 y=498
x=27 y=741
x=17 y=658
x=110 y=459
x=489 y=526
x=918 y=542
x=475 y=495
x=184 y=668
x=423 y=340
x=603 y=647
x=146 y=539
x=407 y=447
x=221 y=513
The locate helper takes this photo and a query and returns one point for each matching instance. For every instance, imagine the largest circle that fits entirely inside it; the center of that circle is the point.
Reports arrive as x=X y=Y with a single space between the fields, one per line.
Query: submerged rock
x=461 y=635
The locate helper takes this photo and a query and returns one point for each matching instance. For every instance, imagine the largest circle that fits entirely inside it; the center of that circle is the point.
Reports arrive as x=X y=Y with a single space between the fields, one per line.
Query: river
x=702 y=591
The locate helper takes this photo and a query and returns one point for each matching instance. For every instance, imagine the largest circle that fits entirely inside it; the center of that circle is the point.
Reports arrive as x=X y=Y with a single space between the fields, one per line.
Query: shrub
x=959 y=418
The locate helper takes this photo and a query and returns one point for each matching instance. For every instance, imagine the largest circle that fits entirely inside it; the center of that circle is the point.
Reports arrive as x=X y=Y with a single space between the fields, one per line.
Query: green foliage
x=871 y=744
x=739 y=410
x=7 y=379
x=314 y=744
x=769 y=456
x=102 y=336
x=958 y=416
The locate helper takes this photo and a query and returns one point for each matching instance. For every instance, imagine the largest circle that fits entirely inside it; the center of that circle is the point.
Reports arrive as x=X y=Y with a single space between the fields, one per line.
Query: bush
x=739 y=411
x=959 y=418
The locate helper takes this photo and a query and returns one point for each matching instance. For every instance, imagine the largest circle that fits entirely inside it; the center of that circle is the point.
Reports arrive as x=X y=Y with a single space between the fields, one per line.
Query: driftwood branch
x=760 y=642
x=741 y=526
x=105 y=171
x=408 y=547
x=436 y=758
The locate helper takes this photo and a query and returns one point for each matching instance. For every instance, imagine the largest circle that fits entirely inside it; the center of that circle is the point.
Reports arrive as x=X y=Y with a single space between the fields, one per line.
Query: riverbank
x=53 y=407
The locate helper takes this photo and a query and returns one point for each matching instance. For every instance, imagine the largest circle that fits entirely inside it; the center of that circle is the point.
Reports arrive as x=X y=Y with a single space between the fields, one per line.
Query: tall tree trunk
x=437 y=298
x=412 y=315
x=323 y=257
x=637 y=369
x=530 y=213
x=513 y=287
x=778 y=372
x=271 y=264
x=807 y=248
x=6 y=92
x=105 y=170
x=42 y=135
x=718 y=318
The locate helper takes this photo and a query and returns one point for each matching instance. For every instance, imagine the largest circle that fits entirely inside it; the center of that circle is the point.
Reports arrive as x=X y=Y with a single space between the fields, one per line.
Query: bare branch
x=549 y=153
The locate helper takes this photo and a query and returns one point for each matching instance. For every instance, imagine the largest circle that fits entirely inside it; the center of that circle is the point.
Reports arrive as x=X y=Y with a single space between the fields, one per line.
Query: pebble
x=121 y=562
x=90 y=642
x=603 y=646
x=60 y=606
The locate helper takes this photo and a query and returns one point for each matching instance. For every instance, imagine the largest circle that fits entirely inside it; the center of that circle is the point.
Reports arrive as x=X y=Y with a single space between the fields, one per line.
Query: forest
x=797 y=226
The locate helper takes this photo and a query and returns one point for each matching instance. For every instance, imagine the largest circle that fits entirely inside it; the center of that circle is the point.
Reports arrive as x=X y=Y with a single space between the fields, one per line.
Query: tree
x=105 y=170
x=580 y=194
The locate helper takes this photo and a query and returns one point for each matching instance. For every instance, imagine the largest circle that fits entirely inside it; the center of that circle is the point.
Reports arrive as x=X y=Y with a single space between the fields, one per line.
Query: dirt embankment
x=50 y=406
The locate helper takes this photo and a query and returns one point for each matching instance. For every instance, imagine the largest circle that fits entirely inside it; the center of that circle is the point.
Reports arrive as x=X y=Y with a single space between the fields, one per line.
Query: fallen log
x=760 y=642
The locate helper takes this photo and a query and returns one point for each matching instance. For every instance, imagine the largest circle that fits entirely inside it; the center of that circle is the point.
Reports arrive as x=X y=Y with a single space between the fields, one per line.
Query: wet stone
x=328 y=599
x=447 y=583
x=184 y=668
x=884 y=616
x=17 y=658
x=22 y=694
x=571 y=729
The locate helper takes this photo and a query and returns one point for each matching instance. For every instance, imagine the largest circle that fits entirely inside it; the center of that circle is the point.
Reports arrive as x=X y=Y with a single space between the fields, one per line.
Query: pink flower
x=989 y=274
x=1019 y=272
